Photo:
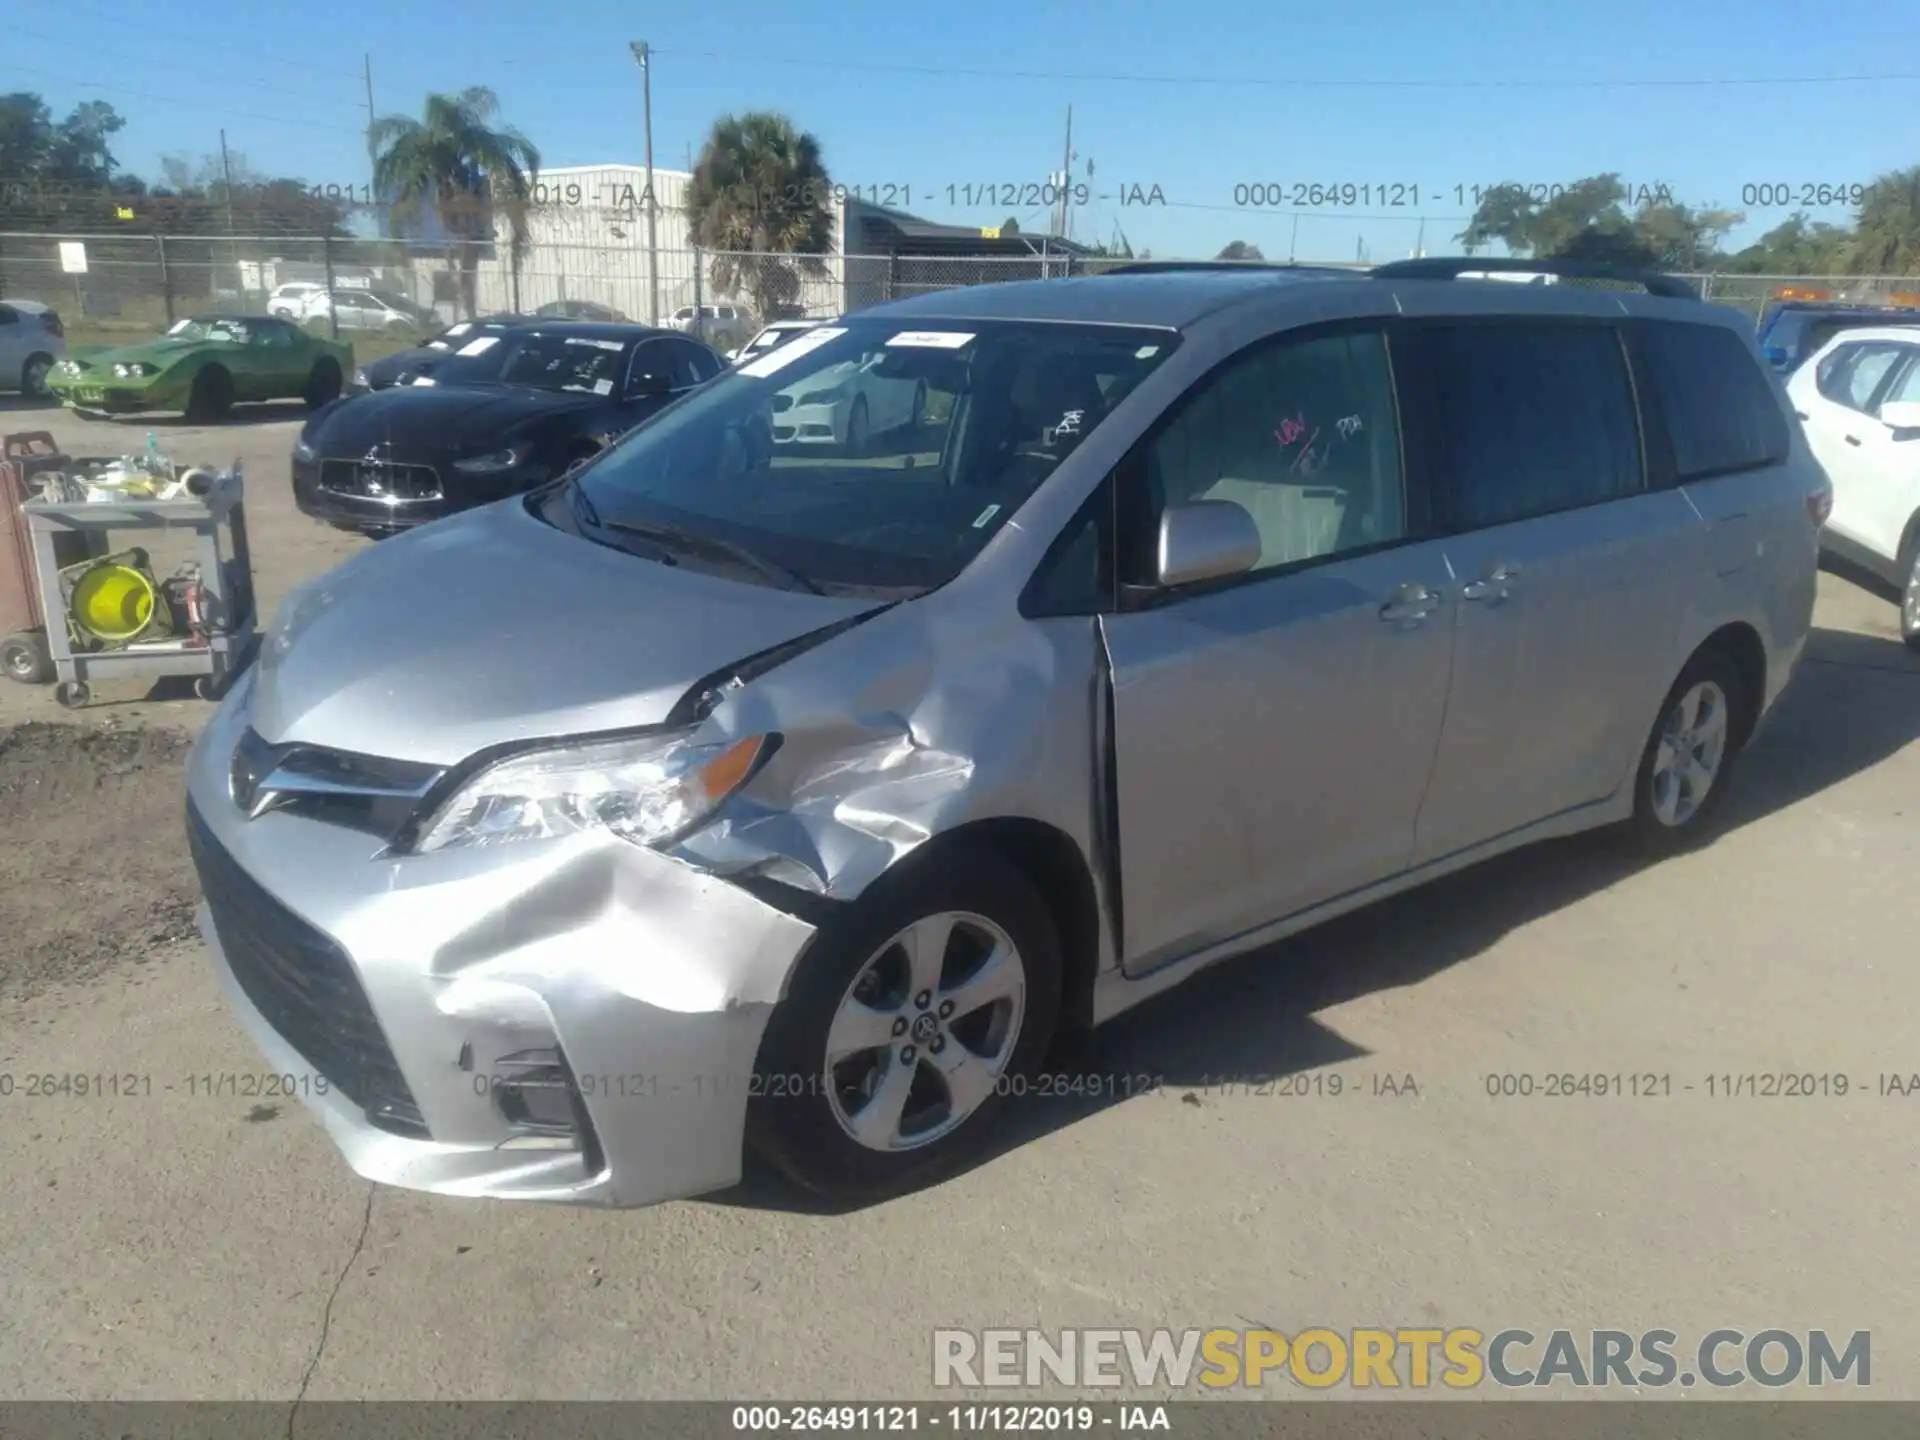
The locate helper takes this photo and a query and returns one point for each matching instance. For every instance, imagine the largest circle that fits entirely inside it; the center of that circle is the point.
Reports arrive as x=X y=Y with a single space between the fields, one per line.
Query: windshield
x=475 y=356
x=210 y=327
x=586 y=365
x=867 y=457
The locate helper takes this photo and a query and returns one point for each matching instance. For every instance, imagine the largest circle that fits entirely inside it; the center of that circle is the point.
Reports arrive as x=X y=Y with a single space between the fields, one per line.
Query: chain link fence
x=142 y=282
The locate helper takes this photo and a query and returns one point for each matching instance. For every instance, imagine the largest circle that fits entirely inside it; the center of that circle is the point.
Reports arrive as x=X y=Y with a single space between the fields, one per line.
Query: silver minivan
x=717 y=796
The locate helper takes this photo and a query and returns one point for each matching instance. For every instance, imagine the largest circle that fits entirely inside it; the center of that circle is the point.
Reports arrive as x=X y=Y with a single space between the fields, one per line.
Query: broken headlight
x=650 y=791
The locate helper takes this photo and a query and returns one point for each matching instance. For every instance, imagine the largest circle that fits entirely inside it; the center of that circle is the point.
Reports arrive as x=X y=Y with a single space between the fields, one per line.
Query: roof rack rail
x=1155 y=267
x=1453 y=267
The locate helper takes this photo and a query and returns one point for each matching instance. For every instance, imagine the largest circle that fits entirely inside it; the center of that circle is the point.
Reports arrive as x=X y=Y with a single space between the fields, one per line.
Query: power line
x=194 y=104
x=225 y=81
x=1291 y=82
x=225 y=47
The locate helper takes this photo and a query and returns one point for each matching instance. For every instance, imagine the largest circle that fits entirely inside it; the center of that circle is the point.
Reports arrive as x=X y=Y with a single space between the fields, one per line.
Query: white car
x=367 y=310
x=32 y=342
x=289 y=302
x=1859 y=399
x=847 y=405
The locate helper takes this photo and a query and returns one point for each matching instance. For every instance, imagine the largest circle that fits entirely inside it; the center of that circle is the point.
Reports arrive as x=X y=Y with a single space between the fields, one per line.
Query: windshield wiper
x=687 y=540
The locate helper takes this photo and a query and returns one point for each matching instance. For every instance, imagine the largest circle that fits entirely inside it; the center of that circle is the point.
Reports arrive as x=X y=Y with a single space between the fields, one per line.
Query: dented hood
x=492 y=626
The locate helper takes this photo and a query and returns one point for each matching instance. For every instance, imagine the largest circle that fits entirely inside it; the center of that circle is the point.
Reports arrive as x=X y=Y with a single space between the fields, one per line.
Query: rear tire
x=33 y=376
x=1910 y=592
x=928 y=1053
x=212 y=395
x=25 y=658
x=1690 y=754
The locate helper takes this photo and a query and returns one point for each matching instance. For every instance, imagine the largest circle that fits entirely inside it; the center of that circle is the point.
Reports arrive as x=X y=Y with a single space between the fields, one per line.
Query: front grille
x=304 y=985
x=380 y=481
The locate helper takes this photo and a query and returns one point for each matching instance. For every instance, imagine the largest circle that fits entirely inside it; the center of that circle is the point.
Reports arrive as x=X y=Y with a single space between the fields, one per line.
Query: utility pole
x=1066 y=177
x=644 y=56
x=366 y=62
x=226 y=168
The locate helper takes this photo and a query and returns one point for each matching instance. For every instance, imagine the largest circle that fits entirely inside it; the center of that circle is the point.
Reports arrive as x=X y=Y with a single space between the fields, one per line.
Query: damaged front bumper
x=574 y=1021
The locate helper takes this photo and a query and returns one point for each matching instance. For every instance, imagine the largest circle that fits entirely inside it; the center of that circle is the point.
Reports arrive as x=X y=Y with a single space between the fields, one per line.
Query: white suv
x=1859 y=399
x=722 y=326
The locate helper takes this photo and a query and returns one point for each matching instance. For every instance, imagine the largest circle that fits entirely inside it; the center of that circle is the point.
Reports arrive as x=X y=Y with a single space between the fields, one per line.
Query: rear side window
x=1722 y=415
x=1853 y=374
x=1530 y=418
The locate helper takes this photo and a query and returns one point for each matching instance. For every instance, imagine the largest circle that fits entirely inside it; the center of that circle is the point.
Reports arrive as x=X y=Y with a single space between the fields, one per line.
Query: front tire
x=212 y=395
x=1685 y=767
x=859 y=428
x=909 y=1024
x=323 y=385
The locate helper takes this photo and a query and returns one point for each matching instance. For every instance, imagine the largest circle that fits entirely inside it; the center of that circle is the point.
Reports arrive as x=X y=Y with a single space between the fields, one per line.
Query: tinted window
x=8 y=315
x=701 y=363
x=1302 y=435
x=1531 y=419
x=1907 y=386
x=567 y=362
x=1721 y=412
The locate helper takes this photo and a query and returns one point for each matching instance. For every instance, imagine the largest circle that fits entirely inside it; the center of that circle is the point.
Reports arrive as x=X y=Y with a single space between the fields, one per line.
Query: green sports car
x=202 y=366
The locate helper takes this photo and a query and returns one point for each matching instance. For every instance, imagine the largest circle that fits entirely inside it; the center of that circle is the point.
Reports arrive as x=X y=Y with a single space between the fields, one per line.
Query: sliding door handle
x=1497 y=586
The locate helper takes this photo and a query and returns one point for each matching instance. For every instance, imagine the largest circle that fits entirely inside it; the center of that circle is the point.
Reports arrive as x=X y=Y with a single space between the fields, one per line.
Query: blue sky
x=1193 y=98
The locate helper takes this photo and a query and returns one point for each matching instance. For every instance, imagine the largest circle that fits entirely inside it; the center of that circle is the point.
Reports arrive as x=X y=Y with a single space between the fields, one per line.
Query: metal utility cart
x=226 y=579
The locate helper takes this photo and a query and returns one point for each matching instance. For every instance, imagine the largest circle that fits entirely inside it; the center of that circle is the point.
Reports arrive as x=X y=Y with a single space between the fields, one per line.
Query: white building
x=587 y=240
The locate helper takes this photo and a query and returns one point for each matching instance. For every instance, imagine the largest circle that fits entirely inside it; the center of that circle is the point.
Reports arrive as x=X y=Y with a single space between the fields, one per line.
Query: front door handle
x=1495 y=588
x=1853 y=439
x=1410 y=605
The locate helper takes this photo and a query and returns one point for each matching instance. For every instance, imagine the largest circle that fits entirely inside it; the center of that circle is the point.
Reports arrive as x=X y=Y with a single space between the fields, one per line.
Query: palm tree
x=760 y=190
x=454 y=160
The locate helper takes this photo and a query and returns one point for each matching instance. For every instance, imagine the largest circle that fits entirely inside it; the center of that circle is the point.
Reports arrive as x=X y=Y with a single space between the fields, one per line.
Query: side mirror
x=1206 y=540
x=1776 y=356
x=1902 y=417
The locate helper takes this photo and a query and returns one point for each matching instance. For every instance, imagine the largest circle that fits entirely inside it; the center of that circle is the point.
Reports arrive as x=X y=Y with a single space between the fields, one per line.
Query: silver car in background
x=720 y=796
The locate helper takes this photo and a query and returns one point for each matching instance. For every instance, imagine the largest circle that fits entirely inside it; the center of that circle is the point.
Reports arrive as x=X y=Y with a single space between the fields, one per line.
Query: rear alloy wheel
x=33 y=376
x=1910 y=597
x=212 y=394
x=908 y=1024
x=1683 y=771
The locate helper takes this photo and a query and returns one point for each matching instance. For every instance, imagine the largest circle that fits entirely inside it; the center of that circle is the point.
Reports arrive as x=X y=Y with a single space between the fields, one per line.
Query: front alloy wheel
x=913 y=1016
x=924 y=1033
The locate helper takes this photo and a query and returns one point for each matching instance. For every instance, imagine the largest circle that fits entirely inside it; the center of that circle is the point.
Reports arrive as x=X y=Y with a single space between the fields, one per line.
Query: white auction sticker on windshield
x=424 y=380
x=791 y=351
x=932 y=339
x=480 y=346
x=597 y=344
x=603 y=387
x=461 y=328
